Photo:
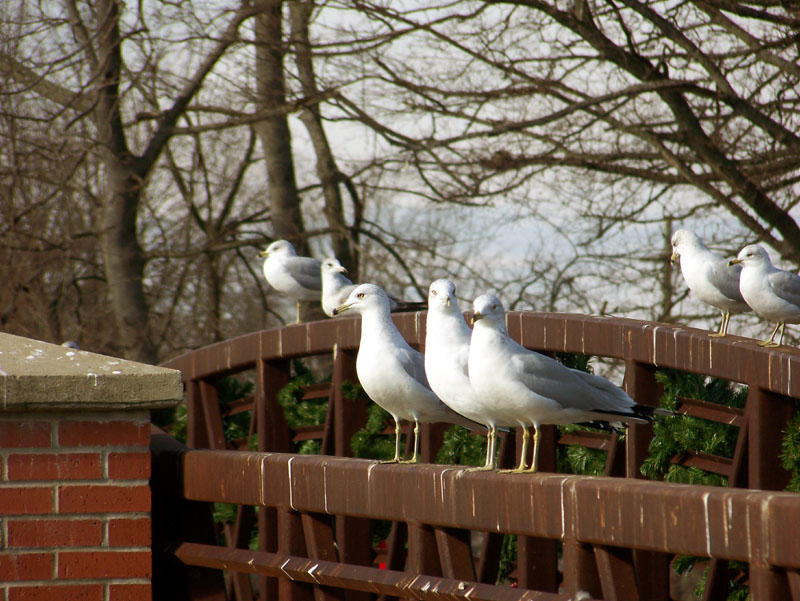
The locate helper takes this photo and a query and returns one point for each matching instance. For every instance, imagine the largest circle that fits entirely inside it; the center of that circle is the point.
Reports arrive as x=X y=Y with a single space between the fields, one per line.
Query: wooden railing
x=617 y=558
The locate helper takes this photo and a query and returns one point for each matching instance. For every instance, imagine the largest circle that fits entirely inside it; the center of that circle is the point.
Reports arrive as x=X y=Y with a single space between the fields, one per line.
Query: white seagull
x=336 y=287
x=447 y=340
x=772 y=293
x=391 y=372
x=296 y=277
x=535 y=389
x=709 y=276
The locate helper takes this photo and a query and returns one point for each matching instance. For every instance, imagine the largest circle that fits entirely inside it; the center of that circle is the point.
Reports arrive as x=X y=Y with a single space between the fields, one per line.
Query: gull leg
x=535 y=463
x=415 y=455
x=783 y=325
x=723 y=327
x=489 y=463
x=297 y=308
x=769 y=342
x=396 y=443
x=526 y=436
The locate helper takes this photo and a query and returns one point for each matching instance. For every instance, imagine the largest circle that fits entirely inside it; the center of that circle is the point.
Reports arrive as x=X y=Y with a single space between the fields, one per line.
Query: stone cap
x=38 y=376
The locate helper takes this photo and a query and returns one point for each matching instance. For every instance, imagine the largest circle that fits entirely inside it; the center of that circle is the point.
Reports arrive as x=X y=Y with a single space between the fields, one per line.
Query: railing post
x=349 y=415
x=273 y=435
x=652 y=569
x=291 y=541
x=767 y=414
x=537 y=558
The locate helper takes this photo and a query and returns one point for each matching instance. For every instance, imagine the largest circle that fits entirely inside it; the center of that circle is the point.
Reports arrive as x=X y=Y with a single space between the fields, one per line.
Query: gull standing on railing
x=709 y=276
x=391 y=372
x=336 y=287
x=535 y=389
x=772 y=293
x=293 y=276
x=447 y=337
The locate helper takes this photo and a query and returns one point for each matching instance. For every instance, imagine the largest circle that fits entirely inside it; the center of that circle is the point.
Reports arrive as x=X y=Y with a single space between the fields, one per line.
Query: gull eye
x=360 y=295
x=434 y=293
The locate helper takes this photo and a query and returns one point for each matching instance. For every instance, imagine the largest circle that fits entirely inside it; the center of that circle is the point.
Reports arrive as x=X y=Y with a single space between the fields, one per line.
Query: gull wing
x=786 y=285
x=725 y=278
x=305 y=270
x=570 y=388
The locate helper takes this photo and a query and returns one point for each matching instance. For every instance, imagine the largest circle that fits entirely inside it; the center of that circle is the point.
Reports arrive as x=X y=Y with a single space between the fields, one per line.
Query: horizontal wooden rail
x=356 y=578
x=741 y=525
x=732 y=358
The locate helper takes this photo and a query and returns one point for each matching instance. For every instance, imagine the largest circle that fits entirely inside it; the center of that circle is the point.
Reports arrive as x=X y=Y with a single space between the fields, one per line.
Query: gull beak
x=476 y=316
x=263 y=253
x=733 y=262
x=447 y=302
x=341 y=309
x=674 y=257
x=341 y=269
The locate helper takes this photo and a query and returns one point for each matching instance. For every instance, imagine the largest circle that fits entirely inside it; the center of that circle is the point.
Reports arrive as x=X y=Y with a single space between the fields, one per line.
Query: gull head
x=364 y=298
x=279 y=247
x=332 y=266
x=753 y=255
x=683 y=239
x=442 y=295
x=488 y=309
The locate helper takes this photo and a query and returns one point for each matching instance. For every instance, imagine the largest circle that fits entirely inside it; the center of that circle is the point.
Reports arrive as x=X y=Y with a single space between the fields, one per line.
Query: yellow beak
x=476 y=316
x=674 y=257
x=733 y=262
x=341 y=309
x=263 y=253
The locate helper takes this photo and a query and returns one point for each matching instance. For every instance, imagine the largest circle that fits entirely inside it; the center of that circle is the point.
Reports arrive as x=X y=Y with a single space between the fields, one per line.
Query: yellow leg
x=396 y=443
x=415 y=454
x=535 y=463
x=769 y=342
x=526 y=436
x=489 y=464
x=723 y=327
x=297 y=308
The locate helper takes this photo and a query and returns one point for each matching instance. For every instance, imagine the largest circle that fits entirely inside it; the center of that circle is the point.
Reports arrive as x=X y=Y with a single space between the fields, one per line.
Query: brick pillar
x=74 y=472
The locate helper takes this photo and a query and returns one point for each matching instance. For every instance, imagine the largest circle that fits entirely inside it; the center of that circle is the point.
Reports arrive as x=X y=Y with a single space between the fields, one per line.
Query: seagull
x=709 y=276
x=534 y=389
x=772 y=293
x=336 y=287
x=296 y=277
x=391 y=372
x=446 y=356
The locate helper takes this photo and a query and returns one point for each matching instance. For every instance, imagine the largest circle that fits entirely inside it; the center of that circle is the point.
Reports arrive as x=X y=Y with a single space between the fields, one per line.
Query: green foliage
x=790 y=452
x=576 y=459
x=300 y=412
x=508 y=557
x=679 y=434
x=370 y=442
x=737 y=587
x=235 y=427
x=461 y=447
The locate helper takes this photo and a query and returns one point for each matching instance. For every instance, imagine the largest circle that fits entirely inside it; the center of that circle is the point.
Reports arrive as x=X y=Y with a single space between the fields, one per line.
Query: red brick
x=104 y=564
x=130 y=592
x=99 y=433
x=73 y=592
x=55 y=533
x=26 y=500
x=49 y=466
x=129 y=533
x=26 y=566
x=129 y=466
x=101 y=498
x=21 y=434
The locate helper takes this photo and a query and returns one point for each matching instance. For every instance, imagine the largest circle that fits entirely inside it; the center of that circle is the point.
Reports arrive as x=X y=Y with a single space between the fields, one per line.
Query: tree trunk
x=343 y=239
x=273 y=131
